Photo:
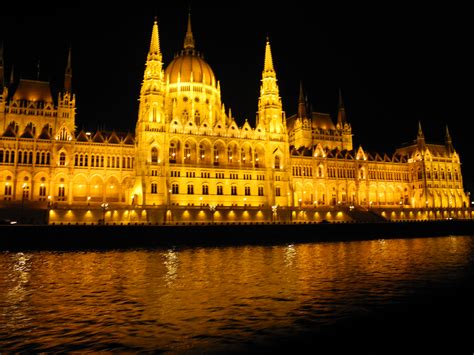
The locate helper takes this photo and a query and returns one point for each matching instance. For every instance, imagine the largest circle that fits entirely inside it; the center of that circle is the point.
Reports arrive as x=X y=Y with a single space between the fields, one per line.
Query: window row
x=100 y=161
x=205 y=190
x=25 y=157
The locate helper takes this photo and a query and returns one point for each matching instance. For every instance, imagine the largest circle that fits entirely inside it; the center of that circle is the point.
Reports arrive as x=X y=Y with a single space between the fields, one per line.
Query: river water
x=376 y=296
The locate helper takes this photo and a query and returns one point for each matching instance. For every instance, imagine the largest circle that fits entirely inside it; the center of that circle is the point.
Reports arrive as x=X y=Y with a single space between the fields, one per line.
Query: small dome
x=186 y=63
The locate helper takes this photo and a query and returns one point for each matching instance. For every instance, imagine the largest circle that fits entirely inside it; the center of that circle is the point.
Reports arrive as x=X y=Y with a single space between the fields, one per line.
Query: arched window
x=173 y=151
x=154 y=155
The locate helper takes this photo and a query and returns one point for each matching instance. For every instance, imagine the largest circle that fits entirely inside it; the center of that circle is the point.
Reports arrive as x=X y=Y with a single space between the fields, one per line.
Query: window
x=173 y=151
x=8 y=191
x=175 y=189
x=154 y=155
x=42 y=191
x=26 y=192
x=233 y=190
x=202 y=152
x=229 y=155
x=247 y=190
x=260 y=191
x=190 y=189
x=277 y=162
x=62 y=159
x=61 y=193
x=205 y=189
x=277 y=191
x=187 y=153
x=220 y=190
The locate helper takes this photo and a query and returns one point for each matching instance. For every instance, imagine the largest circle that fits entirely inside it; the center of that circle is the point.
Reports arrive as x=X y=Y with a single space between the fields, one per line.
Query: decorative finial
x=420 y=131
x=189 y=39
x=68 y=73
x=268 y=57
x=155 y=40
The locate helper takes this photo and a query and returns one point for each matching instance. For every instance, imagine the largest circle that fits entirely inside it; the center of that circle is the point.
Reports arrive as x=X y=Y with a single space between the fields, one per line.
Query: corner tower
x=270 y=113
x=149 y=135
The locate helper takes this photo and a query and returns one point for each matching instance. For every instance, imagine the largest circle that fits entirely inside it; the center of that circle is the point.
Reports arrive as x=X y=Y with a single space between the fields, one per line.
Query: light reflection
x=164 y=295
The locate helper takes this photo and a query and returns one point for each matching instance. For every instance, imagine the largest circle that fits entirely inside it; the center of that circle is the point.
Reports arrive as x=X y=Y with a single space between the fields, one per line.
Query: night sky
x=396 y=64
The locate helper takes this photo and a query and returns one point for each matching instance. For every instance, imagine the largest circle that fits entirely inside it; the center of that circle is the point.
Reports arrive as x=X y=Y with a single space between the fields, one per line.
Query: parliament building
x=190 y=161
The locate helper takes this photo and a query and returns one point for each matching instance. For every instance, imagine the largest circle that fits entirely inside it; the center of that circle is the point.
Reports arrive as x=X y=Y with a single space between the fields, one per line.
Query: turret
x=420 y=138
x=270 y=112
x=448 y=142
x=341 y=113
x=67 y=101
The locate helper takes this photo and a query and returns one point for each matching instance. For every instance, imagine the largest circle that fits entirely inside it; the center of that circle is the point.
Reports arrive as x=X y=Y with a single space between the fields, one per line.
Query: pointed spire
x=341 y=115
x=448 y=141
x=155 y=39
x=301 y=103
x=420 y=131
x=448 y=136
x=268 y=66
x=68 y=73
x=421 y=137
x=189 y=38
x=12 y=75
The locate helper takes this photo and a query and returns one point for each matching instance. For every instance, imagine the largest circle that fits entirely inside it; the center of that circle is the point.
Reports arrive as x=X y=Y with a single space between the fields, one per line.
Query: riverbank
x=80 y=237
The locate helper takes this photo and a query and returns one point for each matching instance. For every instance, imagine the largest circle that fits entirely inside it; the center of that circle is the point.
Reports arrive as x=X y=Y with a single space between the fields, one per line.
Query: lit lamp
x=212 y=208
x=274 y=212
x=105 y=207
x=88 y=200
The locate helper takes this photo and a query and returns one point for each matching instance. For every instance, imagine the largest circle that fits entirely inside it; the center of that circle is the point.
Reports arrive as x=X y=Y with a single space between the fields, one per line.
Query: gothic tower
x=270 y=114
x=150 y=126
x=66 y=104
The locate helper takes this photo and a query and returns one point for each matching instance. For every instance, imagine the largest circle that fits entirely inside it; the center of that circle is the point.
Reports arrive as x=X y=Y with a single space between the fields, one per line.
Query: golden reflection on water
x=195 y=298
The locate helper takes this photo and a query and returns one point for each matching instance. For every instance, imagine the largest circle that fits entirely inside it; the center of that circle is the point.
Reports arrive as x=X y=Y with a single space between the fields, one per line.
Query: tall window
x=8 y=191
x=277 y=162
x=42 y=193
x=247 y=190
x=233 y=190
x=202 y=152
x=260 y=191
x=61 y=193
x=187 y=153
x=205 y=189
x=154 y=155
x=229 y=154
x=173 y=152
x=175 y=189
x=62 y=159
x=220 y=190
x=277 y=191
x=190 y=189
x=154 y=188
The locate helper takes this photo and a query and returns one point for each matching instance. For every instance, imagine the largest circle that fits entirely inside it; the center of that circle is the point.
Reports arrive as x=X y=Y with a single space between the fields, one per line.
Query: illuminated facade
x=188 y=151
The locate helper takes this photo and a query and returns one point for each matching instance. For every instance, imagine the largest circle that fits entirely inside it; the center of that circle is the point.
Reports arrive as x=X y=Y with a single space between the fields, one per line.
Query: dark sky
x=396 y=64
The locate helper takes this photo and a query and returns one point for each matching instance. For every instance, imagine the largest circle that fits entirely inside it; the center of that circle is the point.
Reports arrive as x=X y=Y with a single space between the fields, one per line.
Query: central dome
x=189 y=63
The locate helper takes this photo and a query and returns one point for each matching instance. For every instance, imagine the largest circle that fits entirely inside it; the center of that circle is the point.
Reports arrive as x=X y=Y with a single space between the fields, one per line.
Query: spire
x=189 y=39
x=420 y=137
x=268 y=66
x=155 y=40
x=448 y=136
x=12 y=75
x=301 y=103
x=448 y=141
x=68 y=73
x=420 y=131
x=341 y=115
